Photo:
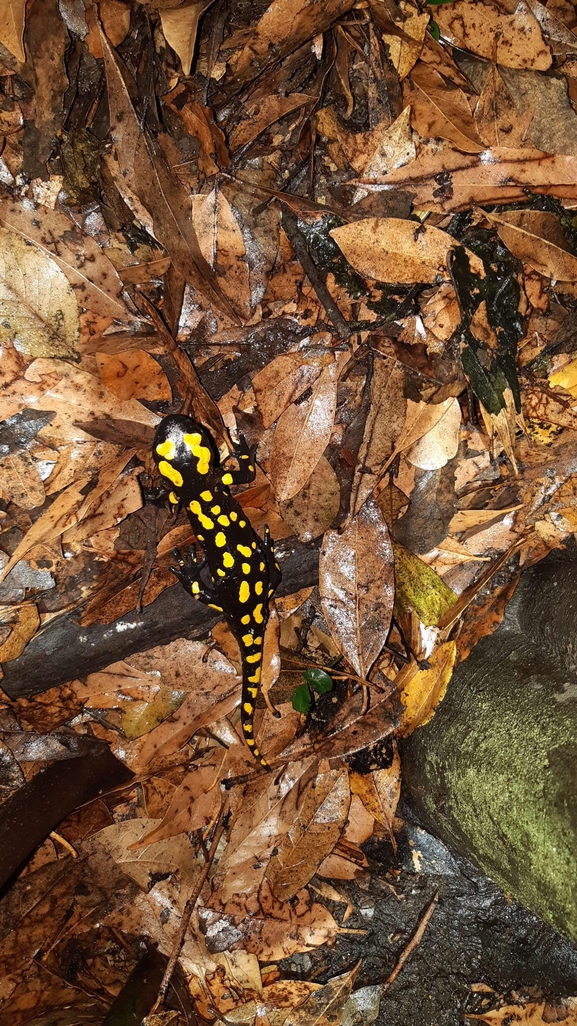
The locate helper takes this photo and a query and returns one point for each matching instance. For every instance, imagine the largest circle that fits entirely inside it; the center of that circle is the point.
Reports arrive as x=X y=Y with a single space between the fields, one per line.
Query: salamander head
x=182 y=450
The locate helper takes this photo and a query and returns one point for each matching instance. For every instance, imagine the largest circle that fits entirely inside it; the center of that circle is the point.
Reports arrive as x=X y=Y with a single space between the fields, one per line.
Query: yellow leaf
x=426 y=688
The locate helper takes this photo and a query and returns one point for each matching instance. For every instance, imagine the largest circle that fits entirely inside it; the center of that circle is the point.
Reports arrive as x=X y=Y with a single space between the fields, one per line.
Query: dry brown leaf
x=12 y=18
x=385 y=419
x=195 y=803
x=390 y=249
x=556 y=1010
x=281 y=30
x=38 y=308
x=314 y=833
x=440 y=109
x=422 y=690
x=312 y=510
x=263 y=112
x=283 y=380
x=180 y=25
x=134 y=375
x=356 y=581
x=300 y=929
x=222 y=246
x=380 y=791
x=536 y=238
x=406 y=45
x=326 y=1004
x=173 y=854
x=512 y=40
x=501 y=176
x=87 y=267
x=496 y=115
x=539 y=404
x=303 y=433
x=20 y=481
x=141 y=171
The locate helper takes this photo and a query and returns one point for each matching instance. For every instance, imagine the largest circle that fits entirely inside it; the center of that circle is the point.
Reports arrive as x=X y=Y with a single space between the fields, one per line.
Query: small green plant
x=317 y=679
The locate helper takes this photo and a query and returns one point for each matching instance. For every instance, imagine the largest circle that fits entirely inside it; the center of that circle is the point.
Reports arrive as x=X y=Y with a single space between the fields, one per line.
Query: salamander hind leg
x=188 y=571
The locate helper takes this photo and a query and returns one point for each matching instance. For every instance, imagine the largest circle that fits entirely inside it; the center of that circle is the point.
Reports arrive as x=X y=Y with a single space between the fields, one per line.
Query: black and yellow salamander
x=242 y=566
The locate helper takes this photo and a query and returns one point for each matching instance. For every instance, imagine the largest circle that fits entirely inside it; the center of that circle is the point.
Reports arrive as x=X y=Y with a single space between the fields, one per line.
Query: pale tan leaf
x=385 y=419
x=173 y=854
x=325 y=1005
x=302 y=435
x=195 y=803
x=435 y=448
x=264 y=112
x=513 y=40
x=180 y=25
x=390 y=249
x=496 y=115
x=356 y=580
x=12 y=16
x=134 y=375
x=406 y=45
x=536 y=238
x=27 y=623
x=312 y=836
x=222 y=246
x=38 y=309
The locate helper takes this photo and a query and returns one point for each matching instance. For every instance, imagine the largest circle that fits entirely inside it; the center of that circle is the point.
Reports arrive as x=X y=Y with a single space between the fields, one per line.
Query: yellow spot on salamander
x=196 y=508
x=250 y=468
x=257 y=641
x=255 y=677
x=254 y=658
x=221 y=573
x=246 y=568
x=257 y=613
x=206 y=496
x=195 y=587
x=244 y=550
x=247 y=727
x=223 y=519
x=192 y=439
x=244 y=593
x=261 y=567
x=227 y=479
x=233 y=514
x=220 y=540
x=218 y=608
x=203 y=455
x=228 y=560
x=253 y=545
x=171 y=473
x=173 y=497
x=250 y=741
x=200 y=537
x=242 y=523
x=215 y=510
x=166 y=449
x=253 y=692
x=248 y=708
x=258 y=587
x=245 y=620
x=247 y=639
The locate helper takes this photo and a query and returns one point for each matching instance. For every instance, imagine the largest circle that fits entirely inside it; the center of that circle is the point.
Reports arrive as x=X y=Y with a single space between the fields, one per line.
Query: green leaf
x=319 y=680
x=420 y=588
x=302 y=700
x=434 y=30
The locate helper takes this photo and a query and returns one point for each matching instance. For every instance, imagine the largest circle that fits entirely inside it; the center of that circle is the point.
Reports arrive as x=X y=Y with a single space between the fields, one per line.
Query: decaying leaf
x=422 y=690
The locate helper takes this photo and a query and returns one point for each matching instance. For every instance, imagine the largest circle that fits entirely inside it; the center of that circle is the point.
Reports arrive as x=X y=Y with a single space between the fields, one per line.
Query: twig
x=415 y=939
x=300 y=250
x=186 y=914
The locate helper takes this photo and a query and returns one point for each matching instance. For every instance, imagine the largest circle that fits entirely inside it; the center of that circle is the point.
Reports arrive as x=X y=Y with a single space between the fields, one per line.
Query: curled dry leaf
x=390 y=249
x=441 y=442
x=536 y=238
x=357 y=584
x=380 y=791
x=22 y=631
x=37 y=304
x=422 y=690
x=313 y=835
x=12 y=19
x=512 y=40
x=303 y=433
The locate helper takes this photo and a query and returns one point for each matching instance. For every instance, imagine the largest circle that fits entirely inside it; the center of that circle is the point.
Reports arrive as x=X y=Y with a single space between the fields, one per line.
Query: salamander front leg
x=244 y=454
x=188 y=572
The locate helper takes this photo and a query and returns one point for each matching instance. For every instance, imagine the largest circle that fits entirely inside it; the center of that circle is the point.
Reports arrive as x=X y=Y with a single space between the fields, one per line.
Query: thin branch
x=415 y=939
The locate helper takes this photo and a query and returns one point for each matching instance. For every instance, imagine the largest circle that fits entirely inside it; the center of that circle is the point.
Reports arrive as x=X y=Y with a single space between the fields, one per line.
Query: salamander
x=243 y=570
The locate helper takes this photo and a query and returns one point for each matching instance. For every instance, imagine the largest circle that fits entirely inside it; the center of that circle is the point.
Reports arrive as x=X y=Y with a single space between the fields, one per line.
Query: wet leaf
x=422 y=690
x=535 y=236
x=420 y=588
x=180 y=25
